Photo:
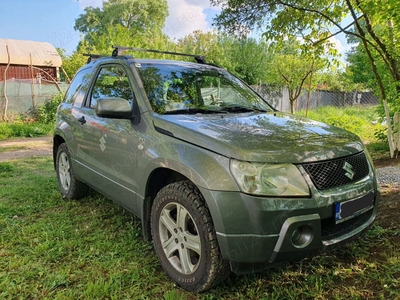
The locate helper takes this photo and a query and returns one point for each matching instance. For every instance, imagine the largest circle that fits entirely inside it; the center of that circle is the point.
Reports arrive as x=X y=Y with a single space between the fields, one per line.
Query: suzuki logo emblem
x=349 y=170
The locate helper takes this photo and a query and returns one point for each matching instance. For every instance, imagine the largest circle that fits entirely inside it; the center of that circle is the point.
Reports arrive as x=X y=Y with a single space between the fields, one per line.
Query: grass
x=93 y=249
x=362 y=121
x=24 y=129
x=11 y=148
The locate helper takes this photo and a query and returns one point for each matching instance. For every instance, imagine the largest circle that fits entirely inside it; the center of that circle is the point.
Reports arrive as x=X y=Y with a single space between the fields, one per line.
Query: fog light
x=302 y=236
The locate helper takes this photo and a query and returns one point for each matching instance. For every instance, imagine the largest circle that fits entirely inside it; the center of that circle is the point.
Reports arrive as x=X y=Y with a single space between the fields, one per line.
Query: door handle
x=82 y=120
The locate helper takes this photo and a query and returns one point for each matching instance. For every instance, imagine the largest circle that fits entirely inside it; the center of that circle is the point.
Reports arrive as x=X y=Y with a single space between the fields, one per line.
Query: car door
x=109 y=146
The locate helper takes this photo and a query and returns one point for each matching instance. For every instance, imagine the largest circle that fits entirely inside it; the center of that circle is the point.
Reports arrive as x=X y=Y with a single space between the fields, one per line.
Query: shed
x=28 y=57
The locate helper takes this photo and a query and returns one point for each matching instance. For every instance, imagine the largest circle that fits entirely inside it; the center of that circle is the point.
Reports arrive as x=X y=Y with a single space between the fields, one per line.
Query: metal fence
x=279 y=98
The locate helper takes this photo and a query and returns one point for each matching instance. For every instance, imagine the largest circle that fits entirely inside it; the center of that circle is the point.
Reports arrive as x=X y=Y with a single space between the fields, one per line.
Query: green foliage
x=373 y=25
x=46 y=114
x=381 y=135
x=133 y=15
x=133 y=23
x=71 y=63
x=338 y=80
x=244 y=57
x=292 y=68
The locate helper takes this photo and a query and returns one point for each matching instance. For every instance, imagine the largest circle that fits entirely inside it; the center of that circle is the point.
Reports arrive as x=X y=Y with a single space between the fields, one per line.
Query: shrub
x=46 y=113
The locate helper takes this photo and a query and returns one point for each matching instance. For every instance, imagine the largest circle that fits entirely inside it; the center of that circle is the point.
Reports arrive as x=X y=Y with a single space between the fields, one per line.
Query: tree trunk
x=377 y=77
x=292 y=106
x=389 y=130
x=396 y=135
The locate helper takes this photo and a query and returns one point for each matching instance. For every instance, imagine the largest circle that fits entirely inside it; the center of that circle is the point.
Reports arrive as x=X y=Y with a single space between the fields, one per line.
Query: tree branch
x=341 y=29
x=338 y=32
x=387 y=57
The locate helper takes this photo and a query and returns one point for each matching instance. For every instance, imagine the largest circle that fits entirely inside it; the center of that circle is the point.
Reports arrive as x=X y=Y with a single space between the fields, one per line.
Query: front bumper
x=257 y=232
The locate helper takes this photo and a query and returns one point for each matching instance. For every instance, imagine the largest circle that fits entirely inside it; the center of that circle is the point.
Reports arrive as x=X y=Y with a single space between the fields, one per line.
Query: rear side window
x=79 y=87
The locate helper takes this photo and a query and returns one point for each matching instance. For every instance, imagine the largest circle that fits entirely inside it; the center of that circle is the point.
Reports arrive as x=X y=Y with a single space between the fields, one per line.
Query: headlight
x=269 y=179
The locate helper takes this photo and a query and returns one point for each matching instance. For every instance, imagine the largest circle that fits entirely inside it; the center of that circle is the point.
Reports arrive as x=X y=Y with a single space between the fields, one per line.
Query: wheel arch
x=159 y=178
x=205 y=172
x=57 y=141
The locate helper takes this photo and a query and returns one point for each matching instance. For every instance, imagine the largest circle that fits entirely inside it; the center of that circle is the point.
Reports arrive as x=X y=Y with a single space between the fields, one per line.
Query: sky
x=53 y=20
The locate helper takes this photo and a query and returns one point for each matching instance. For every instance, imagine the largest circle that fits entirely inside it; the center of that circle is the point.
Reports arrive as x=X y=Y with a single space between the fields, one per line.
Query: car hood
x=261 y=137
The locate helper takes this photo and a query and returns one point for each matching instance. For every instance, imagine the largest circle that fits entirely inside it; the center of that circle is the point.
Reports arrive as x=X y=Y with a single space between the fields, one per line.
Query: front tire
x=184 y=238
x=70 y=186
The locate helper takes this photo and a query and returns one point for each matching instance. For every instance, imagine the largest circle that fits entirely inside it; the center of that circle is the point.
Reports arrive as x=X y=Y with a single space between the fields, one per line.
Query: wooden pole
x=33 y=84
x=5 y=118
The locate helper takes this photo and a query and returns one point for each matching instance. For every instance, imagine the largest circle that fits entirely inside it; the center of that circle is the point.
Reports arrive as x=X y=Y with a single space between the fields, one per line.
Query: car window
x=79 y=87
x=112 y=81
x=175 y=88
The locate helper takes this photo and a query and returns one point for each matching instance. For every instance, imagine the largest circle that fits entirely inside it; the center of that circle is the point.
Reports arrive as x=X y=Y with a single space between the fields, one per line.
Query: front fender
x=204 y=168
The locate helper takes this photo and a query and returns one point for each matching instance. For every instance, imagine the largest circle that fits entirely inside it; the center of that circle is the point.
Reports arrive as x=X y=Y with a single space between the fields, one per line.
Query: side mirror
x=114 y=108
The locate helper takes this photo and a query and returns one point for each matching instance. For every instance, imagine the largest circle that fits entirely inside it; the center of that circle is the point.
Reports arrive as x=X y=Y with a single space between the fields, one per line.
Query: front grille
x=338 y=172
x=330 y=230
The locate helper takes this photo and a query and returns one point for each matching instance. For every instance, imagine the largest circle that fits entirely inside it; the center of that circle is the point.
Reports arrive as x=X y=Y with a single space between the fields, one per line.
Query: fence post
x=33 y=84
x=5 y=118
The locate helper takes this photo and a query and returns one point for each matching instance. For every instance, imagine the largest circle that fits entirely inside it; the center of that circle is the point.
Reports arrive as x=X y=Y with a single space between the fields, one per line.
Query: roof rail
x=93 y=57
x=119 y=49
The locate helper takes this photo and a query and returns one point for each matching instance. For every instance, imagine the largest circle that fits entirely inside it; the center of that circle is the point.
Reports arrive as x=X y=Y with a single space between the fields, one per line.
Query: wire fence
x=279 y=98
x=27 y=80
x=23 y=95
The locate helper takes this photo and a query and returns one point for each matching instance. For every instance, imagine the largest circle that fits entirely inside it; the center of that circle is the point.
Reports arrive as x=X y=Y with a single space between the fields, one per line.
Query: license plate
x=350 y=209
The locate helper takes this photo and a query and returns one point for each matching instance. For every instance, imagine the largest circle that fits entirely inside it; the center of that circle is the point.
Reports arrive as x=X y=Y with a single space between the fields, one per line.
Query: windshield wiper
x=238 y=108
x=190 y=111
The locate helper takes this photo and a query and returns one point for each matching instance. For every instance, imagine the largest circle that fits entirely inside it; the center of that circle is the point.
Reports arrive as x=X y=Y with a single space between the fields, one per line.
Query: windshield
x=180 y=88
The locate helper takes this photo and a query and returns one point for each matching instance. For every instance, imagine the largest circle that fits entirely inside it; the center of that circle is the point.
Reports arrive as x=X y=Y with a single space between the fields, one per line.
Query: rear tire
x=184 y=238
x=70 y=186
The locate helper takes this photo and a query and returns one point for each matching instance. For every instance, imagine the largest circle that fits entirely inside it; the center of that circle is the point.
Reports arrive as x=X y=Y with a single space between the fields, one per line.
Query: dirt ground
x=389 y=210
x=25 y=147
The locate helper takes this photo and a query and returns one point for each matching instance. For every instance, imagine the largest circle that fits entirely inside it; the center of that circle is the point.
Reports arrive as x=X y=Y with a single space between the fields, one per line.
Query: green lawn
x=93 y=249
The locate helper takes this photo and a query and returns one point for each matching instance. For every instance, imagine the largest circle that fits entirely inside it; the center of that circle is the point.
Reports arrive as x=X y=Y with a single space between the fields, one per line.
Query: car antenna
x=118 y=50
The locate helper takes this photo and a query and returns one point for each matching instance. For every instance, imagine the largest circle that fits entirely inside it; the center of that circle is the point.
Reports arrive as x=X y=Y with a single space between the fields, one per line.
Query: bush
x=46 y=113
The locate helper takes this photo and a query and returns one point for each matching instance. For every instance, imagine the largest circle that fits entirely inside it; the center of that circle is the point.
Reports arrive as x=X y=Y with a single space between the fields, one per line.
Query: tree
x=293 y=69
x=122 y=22
x=244 y=57
x=251 y=58
x=71 y=63
x=134 y=15
x=374 y=24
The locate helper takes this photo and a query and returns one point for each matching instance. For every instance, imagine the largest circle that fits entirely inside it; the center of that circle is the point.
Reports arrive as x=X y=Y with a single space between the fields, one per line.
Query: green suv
x=221 y=181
